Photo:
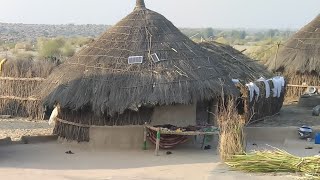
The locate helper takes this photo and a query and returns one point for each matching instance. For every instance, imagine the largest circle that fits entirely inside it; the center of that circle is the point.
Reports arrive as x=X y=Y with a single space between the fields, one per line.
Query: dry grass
x=231 y=125
x=14 y=91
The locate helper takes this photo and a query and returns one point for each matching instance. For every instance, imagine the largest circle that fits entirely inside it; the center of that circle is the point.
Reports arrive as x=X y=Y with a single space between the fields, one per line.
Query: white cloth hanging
x=267 y=85
x=54 y=115
x=254 y=90
x=278 y=83
x=236 y=81
x=282 y=81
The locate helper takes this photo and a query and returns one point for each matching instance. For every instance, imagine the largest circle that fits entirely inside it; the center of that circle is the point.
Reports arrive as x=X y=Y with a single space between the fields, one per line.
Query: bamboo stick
x=22 y=79
x=19 y=98
x=158 y=142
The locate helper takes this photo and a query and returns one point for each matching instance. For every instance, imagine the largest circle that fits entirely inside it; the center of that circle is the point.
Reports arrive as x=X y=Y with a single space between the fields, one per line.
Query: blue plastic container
x=317 y=138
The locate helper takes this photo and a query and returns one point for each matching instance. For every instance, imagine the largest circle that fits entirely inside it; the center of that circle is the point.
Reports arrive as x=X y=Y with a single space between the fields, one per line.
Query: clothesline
x=278 y=83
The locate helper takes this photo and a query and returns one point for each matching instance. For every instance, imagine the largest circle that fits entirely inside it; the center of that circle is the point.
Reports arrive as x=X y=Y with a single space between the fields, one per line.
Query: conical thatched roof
x=301 y=53
x=237 y=64
x=100 y=77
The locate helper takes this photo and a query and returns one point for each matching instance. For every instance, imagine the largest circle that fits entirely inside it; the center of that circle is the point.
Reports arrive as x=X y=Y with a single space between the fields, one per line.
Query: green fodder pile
x=277 y=161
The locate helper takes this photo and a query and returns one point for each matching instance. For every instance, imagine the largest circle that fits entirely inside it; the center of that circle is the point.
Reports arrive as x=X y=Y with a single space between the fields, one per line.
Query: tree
x=67 y=50
x=49 y=48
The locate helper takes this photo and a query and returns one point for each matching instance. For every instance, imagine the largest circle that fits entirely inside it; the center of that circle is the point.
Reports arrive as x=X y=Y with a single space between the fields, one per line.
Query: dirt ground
x=49 y=161
x=17 y=127
x=291 y=115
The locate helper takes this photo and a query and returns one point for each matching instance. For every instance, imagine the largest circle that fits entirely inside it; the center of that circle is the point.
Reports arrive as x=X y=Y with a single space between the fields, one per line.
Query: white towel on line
x=253 y=89
x=277 y=83
x=267 y=85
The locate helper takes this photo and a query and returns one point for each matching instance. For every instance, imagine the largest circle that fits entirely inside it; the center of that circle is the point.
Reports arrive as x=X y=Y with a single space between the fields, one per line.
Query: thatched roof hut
x=143 y=69
x=299 y=58
x=247 y=70
x=141 y=62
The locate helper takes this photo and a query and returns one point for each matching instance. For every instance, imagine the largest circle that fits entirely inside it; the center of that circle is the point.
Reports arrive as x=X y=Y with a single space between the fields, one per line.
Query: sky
x=281 y=14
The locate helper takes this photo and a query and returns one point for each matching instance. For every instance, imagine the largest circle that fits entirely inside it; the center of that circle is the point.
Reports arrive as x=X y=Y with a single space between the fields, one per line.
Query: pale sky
x=183 y=13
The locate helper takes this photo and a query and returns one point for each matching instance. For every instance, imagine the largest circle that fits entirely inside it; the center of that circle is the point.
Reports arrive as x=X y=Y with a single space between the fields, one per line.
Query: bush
x=67 y=50
x=48 y=48
x=58 y=47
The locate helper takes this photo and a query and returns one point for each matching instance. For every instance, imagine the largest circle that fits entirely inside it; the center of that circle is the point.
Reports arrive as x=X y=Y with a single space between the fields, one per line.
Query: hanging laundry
x=267 y=85
x=235 y=81
x=277 y=83
x=282 y=81
x=54 y=115
x=254 y=90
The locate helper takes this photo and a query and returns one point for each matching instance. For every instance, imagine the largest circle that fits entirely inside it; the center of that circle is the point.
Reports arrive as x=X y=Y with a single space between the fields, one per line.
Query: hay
x=237 y=64
x=231 y=126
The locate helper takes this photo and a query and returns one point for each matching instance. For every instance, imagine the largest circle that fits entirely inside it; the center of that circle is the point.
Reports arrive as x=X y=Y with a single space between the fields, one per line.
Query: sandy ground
x=17 y=127
x=49 y=161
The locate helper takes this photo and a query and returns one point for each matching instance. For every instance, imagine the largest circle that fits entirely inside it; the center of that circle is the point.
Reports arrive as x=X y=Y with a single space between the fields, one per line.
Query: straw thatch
x=18 y=79
x=99 y=76
x=247 y=70
x=237 y=64
x=299 y=58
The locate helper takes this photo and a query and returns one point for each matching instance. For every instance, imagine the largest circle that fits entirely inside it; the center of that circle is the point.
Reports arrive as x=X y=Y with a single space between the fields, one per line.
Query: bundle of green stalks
x=276 y=161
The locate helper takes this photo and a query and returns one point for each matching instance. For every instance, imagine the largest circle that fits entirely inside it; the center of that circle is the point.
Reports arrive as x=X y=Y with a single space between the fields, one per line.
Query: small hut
x=299 y=58
x=143 y=69
x=246 y=70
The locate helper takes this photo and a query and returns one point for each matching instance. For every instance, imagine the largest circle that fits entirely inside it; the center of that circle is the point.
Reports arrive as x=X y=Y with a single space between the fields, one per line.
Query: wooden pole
x=145 y=136
x=276 y=57
x=158 y=142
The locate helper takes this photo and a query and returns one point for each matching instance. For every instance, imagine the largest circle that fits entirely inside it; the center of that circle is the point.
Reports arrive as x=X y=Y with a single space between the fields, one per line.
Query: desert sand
x=49 y=161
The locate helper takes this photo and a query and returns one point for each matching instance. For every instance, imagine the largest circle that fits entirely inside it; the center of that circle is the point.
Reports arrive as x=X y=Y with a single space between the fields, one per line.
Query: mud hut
x=143 y=69
x=246 y=70
x=299 y=58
